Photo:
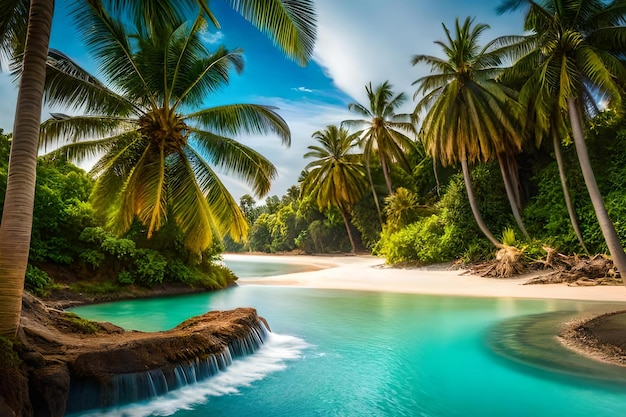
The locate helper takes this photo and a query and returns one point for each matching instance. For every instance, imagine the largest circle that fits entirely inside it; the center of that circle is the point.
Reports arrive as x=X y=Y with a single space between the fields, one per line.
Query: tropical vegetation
x=291 y=25
x=486 y=108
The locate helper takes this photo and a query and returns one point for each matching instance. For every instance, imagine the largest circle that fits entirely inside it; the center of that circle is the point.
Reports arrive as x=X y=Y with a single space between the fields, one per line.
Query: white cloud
x=213 y=37
x=303 y=89
x=373 y=41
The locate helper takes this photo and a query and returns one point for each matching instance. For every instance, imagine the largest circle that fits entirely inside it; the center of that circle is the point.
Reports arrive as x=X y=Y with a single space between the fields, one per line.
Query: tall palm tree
x=543 y=120
x=17 y=215
x=290 y=23
x=158 y=162
x=581 y=46
x=382 y=130
x=335 y=178
x=469 y=117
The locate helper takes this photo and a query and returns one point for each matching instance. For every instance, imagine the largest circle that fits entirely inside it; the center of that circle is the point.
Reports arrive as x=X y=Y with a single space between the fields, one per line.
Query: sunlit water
x=342 y=353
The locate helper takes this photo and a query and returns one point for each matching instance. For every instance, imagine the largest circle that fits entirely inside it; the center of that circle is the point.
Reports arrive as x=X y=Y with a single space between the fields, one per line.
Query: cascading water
x=139 y=386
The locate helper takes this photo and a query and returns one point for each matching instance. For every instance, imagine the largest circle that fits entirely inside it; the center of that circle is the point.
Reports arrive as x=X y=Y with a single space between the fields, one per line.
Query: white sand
x=368 y=273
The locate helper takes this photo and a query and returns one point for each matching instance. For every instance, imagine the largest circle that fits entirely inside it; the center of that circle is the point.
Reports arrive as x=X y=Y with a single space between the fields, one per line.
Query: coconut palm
x=335 y=178
x=290 y=23
x=382 y=130
x=158 y=162
x=544 y=120
x=469 y=117
x=580 y=48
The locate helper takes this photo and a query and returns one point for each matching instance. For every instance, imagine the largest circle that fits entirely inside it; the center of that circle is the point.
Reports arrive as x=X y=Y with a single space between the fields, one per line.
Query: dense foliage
x=69 y=241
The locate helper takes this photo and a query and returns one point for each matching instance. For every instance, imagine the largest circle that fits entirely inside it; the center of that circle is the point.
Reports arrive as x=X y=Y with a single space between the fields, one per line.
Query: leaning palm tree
x=158 y=162
x=543 y=120
x=468 y=116
x=335 y=178
x=382 y=130
x=290 y=23
x=581 y=46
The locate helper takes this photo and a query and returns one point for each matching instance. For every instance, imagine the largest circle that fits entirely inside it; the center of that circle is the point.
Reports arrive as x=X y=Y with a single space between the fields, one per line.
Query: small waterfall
x=138 y=386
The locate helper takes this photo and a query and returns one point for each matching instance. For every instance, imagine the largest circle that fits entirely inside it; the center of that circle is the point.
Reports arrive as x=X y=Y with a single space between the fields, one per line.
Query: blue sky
x=359 y=41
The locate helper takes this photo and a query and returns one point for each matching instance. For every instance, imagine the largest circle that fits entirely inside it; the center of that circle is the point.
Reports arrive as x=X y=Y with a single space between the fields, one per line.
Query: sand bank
x=368 y=273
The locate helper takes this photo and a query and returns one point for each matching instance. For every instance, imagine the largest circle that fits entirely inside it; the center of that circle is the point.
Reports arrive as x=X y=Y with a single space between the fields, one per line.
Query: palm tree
x=336 y=177
x=20 y=192
x=158 y=163
x=383 y=131
x=581 y=45
x=469 y=116
x=290 y=23
x=543 y=119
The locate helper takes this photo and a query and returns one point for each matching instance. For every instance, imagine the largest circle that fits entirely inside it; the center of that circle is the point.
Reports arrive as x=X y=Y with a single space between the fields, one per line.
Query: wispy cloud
x=213 y=37
x=302 y=89
x=373 y=42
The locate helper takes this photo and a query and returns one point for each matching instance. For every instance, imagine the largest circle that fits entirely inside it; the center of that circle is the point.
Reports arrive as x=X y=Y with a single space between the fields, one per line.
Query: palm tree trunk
x=608 y=229
x=347 y=223
x=17 y=217
x=385 y=169
x=437 y=185
x=511 y=196
x=475 y=211
x=568 y=200
x=374 y=195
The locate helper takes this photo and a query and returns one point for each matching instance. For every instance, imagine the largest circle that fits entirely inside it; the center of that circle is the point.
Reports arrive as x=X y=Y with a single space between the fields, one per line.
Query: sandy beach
x=369 y=273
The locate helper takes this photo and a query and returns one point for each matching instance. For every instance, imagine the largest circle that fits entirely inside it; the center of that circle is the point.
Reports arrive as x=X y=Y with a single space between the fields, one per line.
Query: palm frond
x=205 y=76
x=70 y=86
x=109 y=41
x=223 y=208
x=62 y=129
x=291 y=24
x=235 y=119
x=188 y=205
x=235 y=158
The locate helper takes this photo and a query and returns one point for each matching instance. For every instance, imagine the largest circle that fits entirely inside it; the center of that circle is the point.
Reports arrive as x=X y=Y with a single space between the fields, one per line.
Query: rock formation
x=69 y=364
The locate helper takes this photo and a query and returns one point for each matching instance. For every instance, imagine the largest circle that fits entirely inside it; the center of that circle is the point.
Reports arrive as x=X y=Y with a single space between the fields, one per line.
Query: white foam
x=271 y=357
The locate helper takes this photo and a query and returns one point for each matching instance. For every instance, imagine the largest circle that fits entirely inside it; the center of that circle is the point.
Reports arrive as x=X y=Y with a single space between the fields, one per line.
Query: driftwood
x=575 y=270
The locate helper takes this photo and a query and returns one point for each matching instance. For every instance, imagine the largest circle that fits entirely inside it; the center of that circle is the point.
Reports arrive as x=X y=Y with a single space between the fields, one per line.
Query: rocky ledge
x=60 y=353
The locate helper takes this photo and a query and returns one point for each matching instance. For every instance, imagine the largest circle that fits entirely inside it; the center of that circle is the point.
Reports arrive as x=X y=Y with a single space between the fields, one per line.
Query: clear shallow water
x=341 y=353
x=262 y=268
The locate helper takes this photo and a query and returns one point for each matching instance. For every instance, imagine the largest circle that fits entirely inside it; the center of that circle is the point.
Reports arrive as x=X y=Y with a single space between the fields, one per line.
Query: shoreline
x=587 y=335
x=369 y=273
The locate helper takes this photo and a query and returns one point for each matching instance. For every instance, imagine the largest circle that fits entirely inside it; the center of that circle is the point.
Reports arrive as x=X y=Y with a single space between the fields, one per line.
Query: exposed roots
x=509 y=262
x=577 y=270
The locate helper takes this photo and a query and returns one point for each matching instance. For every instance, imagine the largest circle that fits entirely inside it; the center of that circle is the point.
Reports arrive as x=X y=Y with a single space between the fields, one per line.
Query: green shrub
x=119 y=248
x=36 y=280
x=125 y=278
x=92 y=257
x=94 y=235
x=176 y=271
x=422 y=241
x=150 y=267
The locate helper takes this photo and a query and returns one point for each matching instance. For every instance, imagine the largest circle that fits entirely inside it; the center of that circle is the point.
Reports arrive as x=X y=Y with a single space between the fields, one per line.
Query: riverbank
x=369 y=273
x=601 y=338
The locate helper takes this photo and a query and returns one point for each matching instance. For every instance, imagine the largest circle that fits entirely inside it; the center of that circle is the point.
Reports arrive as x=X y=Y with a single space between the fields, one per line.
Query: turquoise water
x=263 y=268
x=342 y=353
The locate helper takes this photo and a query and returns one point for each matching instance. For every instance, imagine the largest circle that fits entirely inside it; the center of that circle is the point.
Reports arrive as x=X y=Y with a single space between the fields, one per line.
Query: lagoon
x=351 y=353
